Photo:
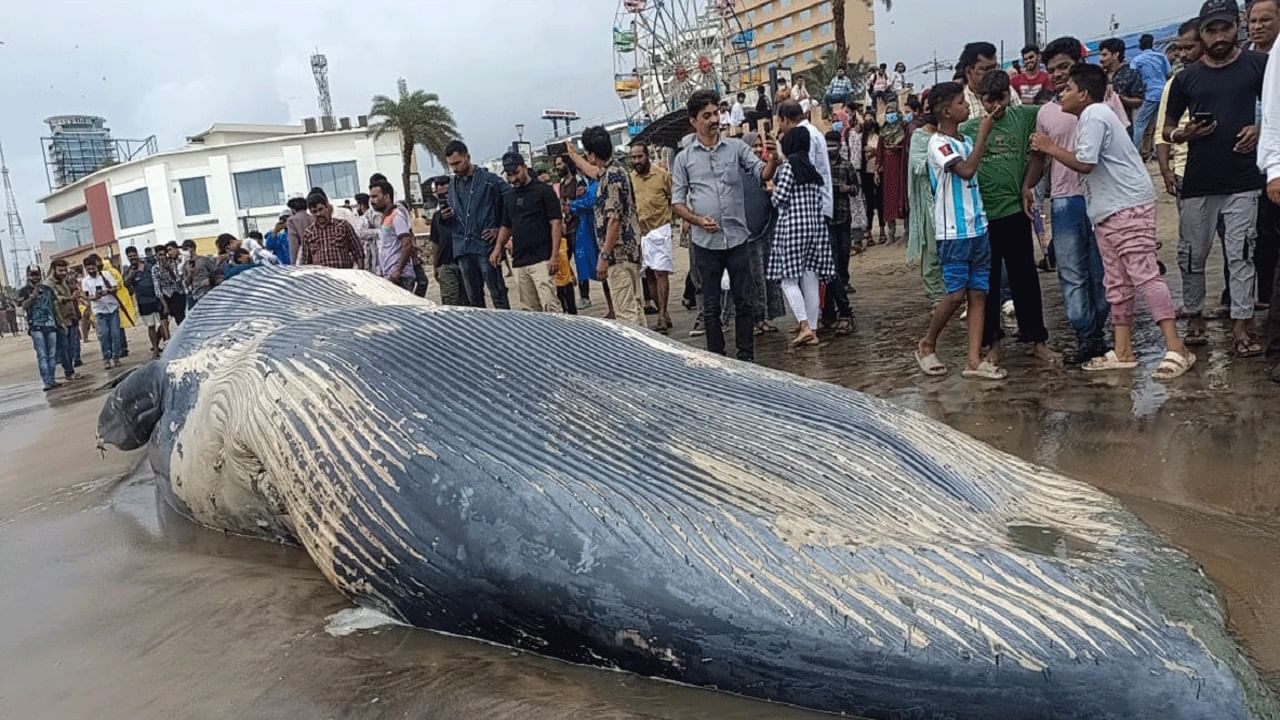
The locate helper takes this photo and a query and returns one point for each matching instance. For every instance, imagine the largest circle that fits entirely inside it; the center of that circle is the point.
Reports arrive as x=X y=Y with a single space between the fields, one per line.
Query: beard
x=1220 y=51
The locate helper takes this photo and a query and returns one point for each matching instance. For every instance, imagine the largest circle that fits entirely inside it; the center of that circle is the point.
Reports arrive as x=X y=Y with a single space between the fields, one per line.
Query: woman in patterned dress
x=801 y=253
x=890 y=170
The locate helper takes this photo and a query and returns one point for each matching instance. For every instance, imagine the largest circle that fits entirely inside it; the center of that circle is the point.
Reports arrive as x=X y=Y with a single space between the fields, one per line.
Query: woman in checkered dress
x=801 y=246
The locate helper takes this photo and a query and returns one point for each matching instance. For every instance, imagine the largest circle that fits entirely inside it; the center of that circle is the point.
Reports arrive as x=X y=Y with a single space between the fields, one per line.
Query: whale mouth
x=133 y=409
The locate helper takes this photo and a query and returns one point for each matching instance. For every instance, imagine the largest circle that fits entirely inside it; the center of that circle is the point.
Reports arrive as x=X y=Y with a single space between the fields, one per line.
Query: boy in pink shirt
x=1121 y=202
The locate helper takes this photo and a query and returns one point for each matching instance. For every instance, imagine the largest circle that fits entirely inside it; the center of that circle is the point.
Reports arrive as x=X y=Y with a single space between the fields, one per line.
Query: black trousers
x=1012 y=249
x=1267 y=251
x=711 y=266
x=871 y=196
x=836 y=300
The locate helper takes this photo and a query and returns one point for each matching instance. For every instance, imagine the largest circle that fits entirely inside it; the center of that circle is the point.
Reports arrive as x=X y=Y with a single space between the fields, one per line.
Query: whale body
x=602 y=495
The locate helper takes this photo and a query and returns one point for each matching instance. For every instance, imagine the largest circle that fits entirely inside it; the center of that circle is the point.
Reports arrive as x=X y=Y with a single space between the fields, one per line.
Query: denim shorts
x=966 y=263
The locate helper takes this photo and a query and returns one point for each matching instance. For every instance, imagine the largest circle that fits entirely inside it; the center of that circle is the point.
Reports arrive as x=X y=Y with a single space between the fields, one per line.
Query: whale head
x=131 y=412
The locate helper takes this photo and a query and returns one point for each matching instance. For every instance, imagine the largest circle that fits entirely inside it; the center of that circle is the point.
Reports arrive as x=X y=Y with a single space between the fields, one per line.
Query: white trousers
x=802 y=296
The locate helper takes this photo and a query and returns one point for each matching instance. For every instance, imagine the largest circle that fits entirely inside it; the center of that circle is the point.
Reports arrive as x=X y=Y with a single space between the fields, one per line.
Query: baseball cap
x=512 y=160
x=1219 y=10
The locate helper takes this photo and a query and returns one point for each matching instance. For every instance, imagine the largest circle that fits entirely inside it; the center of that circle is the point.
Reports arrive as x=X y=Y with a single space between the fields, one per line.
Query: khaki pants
x=535 y=288
x=624 y=283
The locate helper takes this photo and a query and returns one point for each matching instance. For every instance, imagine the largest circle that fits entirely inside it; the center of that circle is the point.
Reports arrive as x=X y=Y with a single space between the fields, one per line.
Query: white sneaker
x=1007 y=309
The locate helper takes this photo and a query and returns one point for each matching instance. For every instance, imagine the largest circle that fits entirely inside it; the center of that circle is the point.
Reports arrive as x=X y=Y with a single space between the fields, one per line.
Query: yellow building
x=795 y=33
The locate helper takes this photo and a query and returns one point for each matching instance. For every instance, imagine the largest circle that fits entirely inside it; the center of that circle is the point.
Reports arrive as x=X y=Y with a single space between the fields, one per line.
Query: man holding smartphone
x=1220 y=92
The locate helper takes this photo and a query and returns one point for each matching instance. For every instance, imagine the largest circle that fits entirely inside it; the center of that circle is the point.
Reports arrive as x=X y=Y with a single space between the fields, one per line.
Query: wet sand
x=112 y=607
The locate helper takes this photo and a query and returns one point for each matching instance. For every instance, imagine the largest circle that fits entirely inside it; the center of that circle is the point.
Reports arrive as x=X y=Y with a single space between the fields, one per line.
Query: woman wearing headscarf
x=922 y=245
x=760 y=222
x=128 y=308
x=890 y=168
x=801 y=252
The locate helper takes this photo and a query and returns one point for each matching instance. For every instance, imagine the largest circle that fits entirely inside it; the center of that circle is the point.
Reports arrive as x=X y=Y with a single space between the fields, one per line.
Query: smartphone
x=1202 y=118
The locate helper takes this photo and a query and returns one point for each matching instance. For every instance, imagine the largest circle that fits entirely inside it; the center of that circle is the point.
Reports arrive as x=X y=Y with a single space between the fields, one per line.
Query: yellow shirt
x=1177 y=153
x=653 y=199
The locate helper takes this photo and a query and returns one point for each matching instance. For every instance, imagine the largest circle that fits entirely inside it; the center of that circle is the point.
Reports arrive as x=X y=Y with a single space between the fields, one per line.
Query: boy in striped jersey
x=960 y=223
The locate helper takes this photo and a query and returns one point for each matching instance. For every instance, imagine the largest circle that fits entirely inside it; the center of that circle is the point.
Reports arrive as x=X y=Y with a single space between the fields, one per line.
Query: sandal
x=1246 y=348
x=843 y=326
x=930 y=364
x=1173 y=366
x=758 y=330
x=809 y=338
x=769 y=327
x=1107 y=362
x=986 y=371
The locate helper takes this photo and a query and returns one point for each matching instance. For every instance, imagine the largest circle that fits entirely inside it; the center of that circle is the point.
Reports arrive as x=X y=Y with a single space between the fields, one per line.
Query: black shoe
x=47 y=388
x=1081 y=356
x=1045 y=266
x=78 y=363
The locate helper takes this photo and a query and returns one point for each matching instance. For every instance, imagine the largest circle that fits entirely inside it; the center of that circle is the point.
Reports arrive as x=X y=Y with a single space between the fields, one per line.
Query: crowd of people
x=772 y=201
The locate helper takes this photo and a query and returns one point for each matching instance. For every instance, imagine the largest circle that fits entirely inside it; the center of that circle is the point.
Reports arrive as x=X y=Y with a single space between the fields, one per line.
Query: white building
x=230 y=178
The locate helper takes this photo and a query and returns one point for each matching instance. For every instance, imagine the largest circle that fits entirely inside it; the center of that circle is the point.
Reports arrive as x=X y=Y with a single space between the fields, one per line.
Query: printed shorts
x=966 y=263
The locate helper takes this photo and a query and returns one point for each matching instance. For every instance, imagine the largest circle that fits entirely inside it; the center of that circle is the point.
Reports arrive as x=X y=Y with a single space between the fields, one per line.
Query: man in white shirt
x=100 y=290
x=368 y=226
x=1269 y=163
x=738 y=114
x=791 y=115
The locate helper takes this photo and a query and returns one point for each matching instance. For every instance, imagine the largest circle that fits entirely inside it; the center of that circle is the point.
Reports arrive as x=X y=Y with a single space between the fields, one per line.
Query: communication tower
x=320 y=69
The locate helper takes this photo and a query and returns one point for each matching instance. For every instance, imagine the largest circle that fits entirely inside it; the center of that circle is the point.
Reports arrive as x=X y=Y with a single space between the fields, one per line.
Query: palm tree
x=837 y=19
x=420 y=119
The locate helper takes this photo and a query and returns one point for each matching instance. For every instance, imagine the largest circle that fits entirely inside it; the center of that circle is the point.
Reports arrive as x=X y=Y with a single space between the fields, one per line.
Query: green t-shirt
x=1005 y=162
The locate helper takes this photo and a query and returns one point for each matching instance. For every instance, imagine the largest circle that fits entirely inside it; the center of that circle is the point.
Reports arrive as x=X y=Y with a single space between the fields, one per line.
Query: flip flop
x=1246 y=348
x=930 y=364
x=1107 y=362
x=809 y=338
x=986 y=371
x=1195 y=339
x=1173 y=366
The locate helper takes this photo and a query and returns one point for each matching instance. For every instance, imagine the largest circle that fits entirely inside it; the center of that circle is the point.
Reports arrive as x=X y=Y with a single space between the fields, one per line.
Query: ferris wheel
x=664 y=50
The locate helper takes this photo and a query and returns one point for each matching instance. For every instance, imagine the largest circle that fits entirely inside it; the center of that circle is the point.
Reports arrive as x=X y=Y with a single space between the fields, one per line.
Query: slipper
x=758 y=330
x=1246 y=348
x=986 y=371
x=769 y=327
x=808 y=338
x=1173 y=366
x=1110 y=361
x=844 y=326
x=811 y=341
x=930 y=364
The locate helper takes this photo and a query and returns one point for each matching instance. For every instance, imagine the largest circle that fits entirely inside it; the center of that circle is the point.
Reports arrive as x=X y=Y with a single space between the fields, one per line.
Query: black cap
x=512 y=160
x=1219 y=10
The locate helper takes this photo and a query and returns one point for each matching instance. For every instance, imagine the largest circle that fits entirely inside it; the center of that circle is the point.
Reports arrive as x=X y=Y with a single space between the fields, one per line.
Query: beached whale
x=599 y=494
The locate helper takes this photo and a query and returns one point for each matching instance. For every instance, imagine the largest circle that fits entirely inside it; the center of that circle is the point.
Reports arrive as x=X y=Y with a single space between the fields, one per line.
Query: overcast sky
x=171 y=68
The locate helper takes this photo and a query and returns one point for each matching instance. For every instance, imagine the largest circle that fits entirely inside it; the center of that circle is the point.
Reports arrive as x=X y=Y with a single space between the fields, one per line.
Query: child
x=566 y=283
x=964 y=250
x=1121 y=202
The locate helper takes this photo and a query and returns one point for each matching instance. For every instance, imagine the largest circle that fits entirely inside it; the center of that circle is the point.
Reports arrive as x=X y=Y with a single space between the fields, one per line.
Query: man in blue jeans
x=36 y=299
x=474 y=214
x=1079 y=264
x=66 y=310
x=1153 y=67
x=100 y=290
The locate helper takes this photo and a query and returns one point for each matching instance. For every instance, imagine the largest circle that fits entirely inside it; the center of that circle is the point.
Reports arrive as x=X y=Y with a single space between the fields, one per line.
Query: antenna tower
x=17 y=236
x=320 y=69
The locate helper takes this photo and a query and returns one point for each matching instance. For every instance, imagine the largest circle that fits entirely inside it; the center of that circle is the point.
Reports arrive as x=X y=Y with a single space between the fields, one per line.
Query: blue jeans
x=831 y=98
x=1080 y=272
x=68 y=348
x=1142 y=120
x=109 y=334
x=476 y=274
x=45 y=340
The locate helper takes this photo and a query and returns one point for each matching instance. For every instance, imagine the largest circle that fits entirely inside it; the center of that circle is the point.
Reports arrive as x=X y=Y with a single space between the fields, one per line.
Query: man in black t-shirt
x=448 y=276
x=531 y=223
x=1221 y=93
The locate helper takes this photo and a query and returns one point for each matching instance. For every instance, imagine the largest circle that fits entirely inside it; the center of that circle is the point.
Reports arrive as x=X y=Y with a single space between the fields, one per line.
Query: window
x=768 y=27
x=766 y=8
x=806 y=36
x=195 y=196
x=787 y=41
x=259 y=188
x=338 y=180
x=784 y=4
x=786 y=21
x=133 y=208
x=804 y=14
x=807 y=57
x=824 y=9
x=825 y=29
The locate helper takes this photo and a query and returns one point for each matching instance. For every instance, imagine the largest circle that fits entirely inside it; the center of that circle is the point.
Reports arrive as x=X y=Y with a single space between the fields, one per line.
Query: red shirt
x=1028 y=87
x=333 y=244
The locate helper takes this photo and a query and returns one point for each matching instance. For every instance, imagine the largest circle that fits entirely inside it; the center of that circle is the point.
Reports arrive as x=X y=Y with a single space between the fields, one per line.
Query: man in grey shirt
x=707 y=192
